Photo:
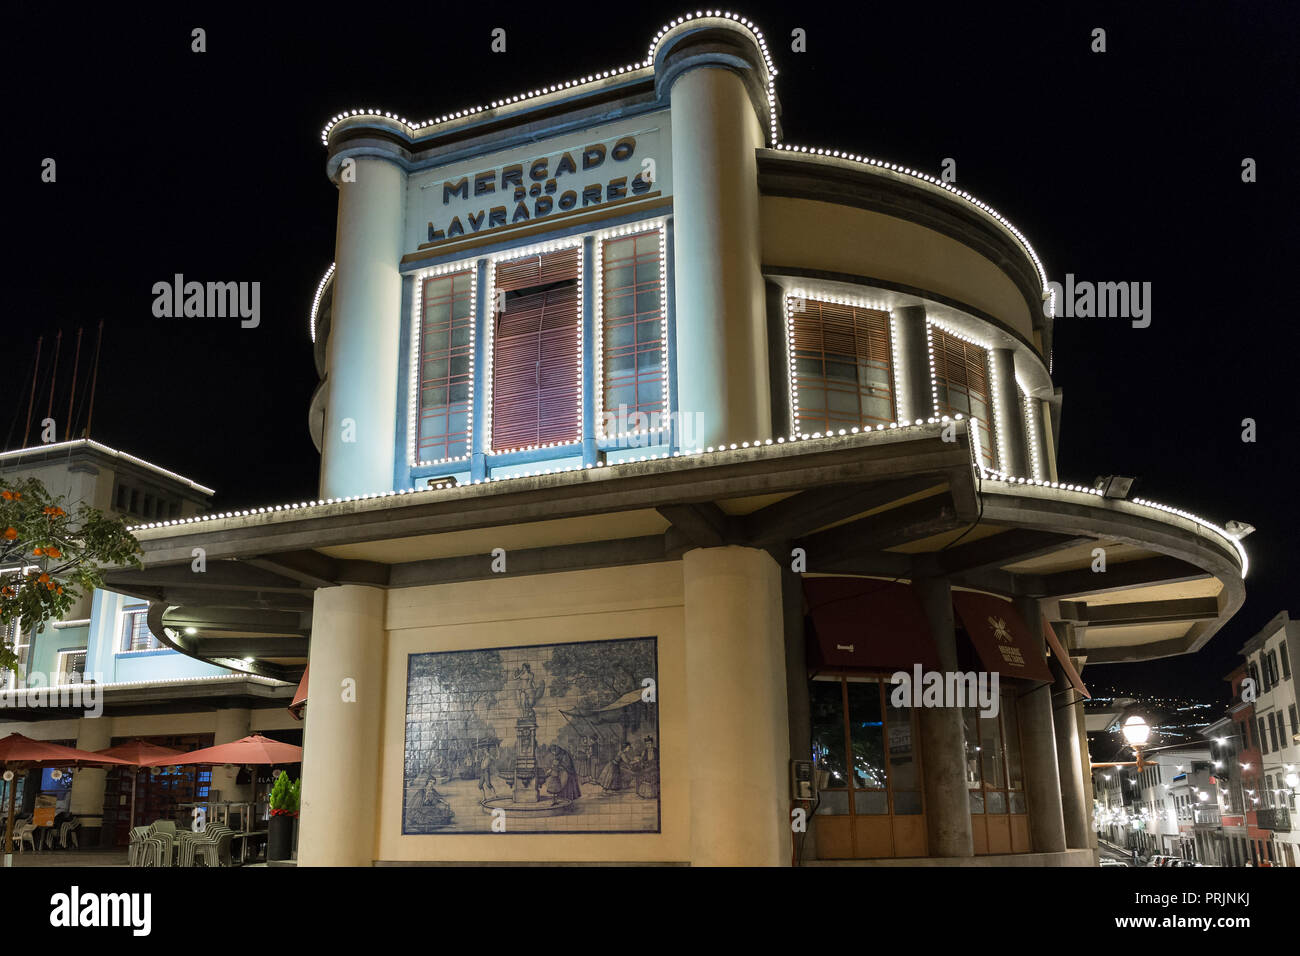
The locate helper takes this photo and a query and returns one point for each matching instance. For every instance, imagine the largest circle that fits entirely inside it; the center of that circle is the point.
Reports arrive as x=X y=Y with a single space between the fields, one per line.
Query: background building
x=146 y=688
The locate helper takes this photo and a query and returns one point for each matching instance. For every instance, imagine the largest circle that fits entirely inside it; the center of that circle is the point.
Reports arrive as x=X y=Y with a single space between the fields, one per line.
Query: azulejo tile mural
x=553 y=738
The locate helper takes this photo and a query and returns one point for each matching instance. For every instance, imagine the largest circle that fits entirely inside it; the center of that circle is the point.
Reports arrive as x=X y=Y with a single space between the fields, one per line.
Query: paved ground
x=70 y=858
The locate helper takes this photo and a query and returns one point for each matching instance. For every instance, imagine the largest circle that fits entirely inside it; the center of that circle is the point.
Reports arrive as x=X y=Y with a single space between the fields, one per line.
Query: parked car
x=1109 y=862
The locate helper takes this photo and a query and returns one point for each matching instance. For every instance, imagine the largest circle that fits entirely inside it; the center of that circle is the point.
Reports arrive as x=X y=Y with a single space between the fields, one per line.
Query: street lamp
x=1136 y=733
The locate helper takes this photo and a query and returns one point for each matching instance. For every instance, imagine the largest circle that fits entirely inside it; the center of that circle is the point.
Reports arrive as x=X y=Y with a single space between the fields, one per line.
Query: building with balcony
x=101 y=676
x=651 y=447
x=1271 y=664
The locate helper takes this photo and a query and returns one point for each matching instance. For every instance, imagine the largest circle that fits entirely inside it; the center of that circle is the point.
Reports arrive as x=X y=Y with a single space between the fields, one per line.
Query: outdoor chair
x=193 y=842
x=25 y=831
x=159 y=843
x=69 y=832
x=135 y=846
x=215 y=852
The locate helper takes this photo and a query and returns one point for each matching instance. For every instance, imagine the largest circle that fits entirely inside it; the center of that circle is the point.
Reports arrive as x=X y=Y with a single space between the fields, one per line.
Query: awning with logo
x=869 y=624
x=1000 y=636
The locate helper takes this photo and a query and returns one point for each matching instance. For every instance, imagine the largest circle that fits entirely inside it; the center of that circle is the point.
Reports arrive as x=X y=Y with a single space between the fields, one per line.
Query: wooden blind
x=535 y=365
x=537 y=270
x=843 y=366
x=963 y=368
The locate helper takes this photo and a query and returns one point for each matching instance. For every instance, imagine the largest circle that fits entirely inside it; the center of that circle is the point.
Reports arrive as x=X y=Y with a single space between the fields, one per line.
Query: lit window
x=71 y=667
x=633 y=326
x=535 y=357
x=961 y=374
x=136 y=635
x=843 y=373
x=446 y=366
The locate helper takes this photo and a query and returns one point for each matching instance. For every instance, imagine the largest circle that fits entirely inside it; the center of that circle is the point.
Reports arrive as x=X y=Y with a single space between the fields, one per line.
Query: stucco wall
x=545 y=609
x=818 y=235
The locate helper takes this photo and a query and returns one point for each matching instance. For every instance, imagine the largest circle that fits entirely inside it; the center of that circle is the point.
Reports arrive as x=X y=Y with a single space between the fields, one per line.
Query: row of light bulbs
x=91 y=443
x=692 y=453
x=315 y=301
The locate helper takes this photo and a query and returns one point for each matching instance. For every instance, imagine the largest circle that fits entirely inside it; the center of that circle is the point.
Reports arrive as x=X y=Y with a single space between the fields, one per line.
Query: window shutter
x=963 y=366
x=535 y=388
x=830 y=339
x=538 y=270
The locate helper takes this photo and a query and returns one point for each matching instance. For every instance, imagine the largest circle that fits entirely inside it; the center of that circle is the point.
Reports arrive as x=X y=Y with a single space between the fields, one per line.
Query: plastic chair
x=215 y=852
x=192 y=843
x=26 y=832
x=69 y=832
x=135 y=846
x=159 y=843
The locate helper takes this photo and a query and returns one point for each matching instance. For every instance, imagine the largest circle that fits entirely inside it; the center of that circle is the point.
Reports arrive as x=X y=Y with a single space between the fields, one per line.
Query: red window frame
x=447 y=369
x=646 y=379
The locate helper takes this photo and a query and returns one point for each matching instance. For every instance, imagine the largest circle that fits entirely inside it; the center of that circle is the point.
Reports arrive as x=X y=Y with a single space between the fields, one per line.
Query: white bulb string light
x=637 y=71
x=315 y=302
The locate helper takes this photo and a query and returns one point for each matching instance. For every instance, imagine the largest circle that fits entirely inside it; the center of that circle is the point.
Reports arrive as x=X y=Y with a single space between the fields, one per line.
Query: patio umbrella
x=254 y=749
x=22 y=753
x=137 y=753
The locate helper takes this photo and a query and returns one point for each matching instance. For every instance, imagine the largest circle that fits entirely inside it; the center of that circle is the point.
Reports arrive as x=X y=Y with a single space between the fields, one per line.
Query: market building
x=651 y=446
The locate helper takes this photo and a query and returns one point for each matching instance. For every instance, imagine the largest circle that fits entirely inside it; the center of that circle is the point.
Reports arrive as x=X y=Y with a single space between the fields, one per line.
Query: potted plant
x=284 y=809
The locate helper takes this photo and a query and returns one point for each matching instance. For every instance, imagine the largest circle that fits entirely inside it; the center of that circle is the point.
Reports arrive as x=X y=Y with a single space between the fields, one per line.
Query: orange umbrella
x=22 y=753
x=254 y=749
x=138 y=753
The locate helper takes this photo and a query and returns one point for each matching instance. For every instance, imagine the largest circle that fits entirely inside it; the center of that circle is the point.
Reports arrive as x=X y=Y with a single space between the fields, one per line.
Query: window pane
x=971 y=718
x=827 y=708
x=868 y=735
x=903 y=769
x=991 y=752
x=870 y=801
x=1011 y=733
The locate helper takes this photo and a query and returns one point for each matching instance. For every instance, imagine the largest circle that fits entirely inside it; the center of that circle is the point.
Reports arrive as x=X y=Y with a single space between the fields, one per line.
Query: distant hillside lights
x=213 y=300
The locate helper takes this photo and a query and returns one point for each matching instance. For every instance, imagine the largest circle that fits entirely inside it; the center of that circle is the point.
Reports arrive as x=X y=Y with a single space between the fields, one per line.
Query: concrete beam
x=805 y=512
x=879 y=532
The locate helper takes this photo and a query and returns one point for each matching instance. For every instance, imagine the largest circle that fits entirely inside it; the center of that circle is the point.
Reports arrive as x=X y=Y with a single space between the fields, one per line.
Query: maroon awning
x=1000 y=636
x=300 y=698
x=870 y=624
x=1060 y=653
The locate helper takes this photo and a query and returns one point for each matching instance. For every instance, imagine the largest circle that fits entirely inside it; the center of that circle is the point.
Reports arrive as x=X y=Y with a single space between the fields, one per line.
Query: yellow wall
x=596 y=605
x=818 y=235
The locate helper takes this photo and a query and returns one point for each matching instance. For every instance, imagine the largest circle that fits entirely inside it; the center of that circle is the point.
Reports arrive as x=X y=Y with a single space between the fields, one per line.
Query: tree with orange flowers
x=50 y=557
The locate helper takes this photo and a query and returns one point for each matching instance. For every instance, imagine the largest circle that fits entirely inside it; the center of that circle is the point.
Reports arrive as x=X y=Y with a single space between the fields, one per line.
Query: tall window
x=866 y=756
x=996 y=781
x=446 y=347
x=536 y=385
x=632 y=324
x=12 y=633
x=136 y=635
x=843 y=372
x=962 y=386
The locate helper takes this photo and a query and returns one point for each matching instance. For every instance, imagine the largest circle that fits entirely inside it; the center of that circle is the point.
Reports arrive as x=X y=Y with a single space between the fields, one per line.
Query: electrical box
x=803 y=780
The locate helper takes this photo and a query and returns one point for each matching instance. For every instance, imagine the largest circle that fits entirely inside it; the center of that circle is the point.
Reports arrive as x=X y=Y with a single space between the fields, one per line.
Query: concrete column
x=943 y=737
x=1008 y=416
x=1074 y=807
x=721 y=323
x=1038 y=745
x=341 y=739
x=798 y=706
x=736 y=709
x=234 y=723
x=1085 y=757
x=87 y=798
x=915 y=398
x=361 y=410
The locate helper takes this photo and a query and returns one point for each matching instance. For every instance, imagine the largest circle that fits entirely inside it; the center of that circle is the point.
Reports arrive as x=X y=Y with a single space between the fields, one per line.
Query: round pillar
x=1009 y=418
x=233 y=723
x=712 y=69
x=1038 y=751
x=915 y=398
x=1069 y=757
x=86 y=801
x=943 y=737
x=341 y=739
x=736 y=709
x=358 y=444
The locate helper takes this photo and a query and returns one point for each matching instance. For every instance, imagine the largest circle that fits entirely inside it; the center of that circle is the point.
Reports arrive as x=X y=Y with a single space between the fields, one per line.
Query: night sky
x=1118 y=166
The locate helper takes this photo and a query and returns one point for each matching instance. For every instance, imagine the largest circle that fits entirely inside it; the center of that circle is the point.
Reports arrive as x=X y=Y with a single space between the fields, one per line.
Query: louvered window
x=535 y=362
x=633 y=327
x=446 y=347
x=843 y=368
x=961 y=373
